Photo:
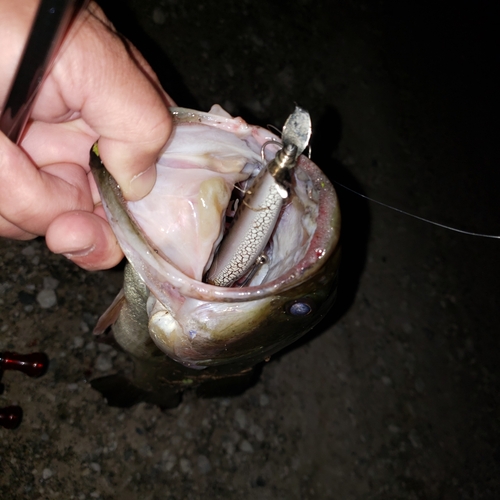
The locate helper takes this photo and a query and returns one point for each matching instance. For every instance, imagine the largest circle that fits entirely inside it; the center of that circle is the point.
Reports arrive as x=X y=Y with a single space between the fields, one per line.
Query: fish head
x=170 y=239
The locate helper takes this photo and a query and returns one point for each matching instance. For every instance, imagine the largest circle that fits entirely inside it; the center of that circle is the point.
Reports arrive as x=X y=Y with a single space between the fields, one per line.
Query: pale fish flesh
x=170 y=238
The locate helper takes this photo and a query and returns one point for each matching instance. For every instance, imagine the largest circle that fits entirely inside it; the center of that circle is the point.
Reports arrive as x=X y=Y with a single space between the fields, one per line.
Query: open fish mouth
x=172 y=240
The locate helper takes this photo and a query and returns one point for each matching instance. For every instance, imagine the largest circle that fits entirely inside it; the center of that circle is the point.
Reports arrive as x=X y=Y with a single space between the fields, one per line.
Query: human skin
x=99 y=88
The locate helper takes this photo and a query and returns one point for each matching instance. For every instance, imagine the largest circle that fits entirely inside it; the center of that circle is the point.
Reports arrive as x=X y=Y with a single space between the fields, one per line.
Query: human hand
x=98 y=88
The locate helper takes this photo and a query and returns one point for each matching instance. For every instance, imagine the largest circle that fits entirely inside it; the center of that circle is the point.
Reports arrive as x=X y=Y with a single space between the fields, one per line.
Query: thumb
x=105 y=79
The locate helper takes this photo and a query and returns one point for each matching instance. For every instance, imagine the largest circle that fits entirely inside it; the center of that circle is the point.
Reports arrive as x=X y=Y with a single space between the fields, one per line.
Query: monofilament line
x=469 y=233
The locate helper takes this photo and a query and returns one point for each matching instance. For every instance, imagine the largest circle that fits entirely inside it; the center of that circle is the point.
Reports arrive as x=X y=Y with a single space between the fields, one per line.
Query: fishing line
x=469 y=233
x=423 y=219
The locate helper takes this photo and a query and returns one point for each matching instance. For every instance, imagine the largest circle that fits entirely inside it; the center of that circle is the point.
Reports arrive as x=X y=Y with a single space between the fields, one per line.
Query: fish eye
x=299 y=307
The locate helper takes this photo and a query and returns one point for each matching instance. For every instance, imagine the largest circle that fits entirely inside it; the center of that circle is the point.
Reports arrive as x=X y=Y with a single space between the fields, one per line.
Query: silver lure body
x=253 y=224
x=241 y=250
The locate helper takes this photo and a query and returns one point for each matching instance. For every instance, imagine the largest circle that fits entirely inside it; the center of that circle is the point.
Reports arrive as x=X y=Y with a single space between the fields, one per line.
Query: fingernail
x=71 y=254
x=141 y=184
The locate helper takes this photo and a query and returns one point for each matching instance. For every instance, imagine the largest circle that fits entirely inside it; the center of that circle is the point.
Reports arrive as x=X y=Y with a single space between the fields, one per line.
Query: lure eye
x=299 y=308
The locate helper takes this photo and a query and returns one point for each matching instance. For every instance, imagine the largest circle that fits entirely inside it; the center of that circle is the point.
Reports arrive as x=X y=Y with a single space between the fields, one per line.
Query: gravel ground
x=395 y=394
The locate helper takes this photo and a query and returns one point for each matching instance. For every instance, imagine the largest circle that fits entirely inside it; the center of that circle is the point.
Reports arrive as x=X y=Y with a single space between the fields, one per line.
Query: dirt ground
x=395 y=395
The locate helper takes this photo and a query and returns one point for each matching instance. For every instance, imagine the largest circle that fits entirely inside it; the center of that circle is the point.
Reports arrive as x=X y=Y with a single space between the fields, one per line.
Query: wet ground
x=395 y=395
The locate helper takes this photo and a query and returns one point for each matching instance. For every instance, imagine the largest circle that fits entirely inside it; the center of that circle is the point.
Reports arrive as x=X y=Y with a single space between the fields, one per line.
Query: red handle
x=11 y=416
x=33 y=365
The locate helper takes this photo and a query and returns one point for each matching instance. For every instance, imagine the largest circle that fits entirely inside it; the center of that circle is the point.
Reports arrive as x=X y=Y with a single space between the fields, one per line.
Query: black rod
x=51 y=24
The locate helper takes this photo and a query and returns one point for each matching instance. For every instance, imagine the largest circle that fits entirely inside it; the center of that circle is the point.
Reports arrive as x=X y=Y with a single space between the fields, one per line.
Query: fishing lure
x=241 y=251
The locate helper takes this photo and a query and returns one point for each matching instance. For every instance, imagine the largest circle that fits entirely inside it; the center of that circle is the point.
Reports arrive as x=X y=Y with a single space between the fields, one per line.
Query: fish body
x=171 y=237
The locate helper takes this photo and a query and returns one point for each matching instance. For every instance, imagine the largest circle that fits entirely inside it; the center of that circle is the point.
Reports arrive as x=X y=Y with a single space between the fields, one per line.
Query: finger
x=9 y=230
x=51 y=143
x=98 y=77
x=84 y=238
x=31 y=198
x=138 y=58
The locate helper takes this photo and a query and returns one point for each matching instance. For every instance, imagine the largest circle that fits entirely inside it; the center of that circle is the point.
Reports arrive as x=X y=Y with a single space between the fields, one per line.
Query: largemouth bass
x=179 y=328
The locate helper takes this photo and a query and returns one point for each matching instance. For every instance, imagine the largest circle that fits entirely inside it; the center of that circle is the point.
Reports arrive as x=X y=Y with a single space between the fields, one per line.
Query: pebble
x=47 y=474
x=145 y=451
x=78 y=342
x=204 y=464
x=394 y=429
x=28 y=251
x=46 y=298
x=264 y=400
x=228 y=447
x=170 y=460
x=241 y=418
x=111 y=447
x=246 y=446
x=95 y=467
x=257 y=431
x=103 y=363
x=89 y=318
x=185 y=465
x=50 y=283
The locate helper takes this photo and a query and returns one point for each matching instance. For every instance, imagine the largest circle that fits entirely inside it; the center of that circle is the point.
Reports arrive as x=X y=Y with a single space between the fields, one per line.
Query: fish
x=181 y=328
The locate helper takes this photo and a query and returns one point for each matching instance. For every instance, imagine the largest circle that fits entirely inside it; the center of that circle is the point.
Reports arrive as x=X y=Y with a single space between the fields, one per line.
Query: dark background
x=395 y=395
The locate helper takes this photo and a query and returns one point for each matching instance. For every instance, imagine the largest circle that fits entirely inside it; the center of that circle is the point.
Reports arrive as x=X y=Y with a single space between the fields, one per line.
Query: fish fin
x=111 y=314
